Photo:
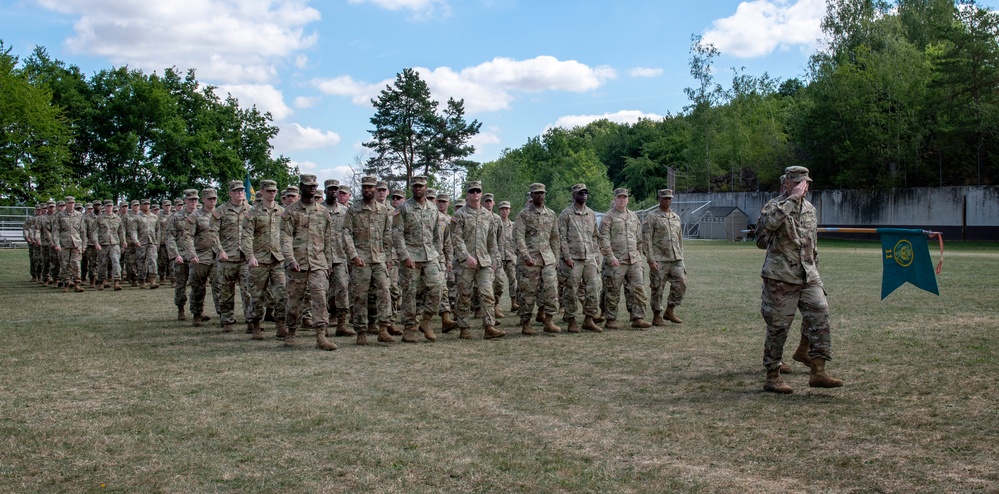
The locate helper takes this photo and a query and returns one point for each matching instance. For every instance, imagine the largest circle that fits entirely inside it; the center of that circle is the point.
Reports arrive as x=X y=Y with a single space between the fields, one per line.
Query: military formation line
x=318 y=261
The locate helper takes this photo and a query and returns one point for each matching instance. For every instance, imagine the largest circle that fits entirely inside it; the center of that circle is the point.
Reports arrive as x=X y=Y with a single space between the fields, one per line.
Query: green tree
x=410 y=135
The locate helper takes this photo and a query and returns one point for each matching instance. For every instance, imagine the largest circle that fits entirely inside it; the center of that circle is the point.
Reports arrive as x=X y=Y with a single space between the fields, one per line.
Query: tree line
x=122 y=133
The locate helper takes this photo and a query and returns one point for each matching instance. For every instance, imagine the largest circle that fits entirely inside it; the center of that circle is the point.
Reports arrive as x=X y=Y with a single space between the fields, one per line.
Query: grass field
x=106 y=392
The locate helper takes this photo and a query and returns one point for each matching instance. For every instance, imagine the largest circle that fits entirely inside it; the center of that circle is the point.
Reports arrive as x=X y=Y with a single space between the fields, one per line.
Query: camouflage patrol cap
x=78 y=207
x=108 y=202
x=97 y=203
x=431 y=193
x=381 y=185
x=190 y=194
x=537 y=187
x=178 y=202
x=797 y=174
x=443 y=197
x=268 y=185
x=331 y=182
x=209 y=193
x=488 y=196
x=579 y=187
x=123 y=204
x=236 y=185
x=166 y=202
x=88 y=205
x=154 y=207
x=292 y=190
x=473 y=185
x=419 y=180
x=344 y=189
x=318 y=194
x=460 y=203
x=61 y=203
x=71 y=199
x=369 y=181
x=666 y=193
x=307 y=180
x=401 y=194
x=144 y=201
x=504 y=204
x=621 y=191
x=134 y=202
x=50 y=204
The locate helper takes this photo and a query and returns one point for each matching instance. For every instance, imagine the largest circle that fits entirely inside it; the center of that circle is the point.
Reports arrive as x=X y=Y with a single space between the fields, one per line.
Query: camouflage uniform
x=537 y=238
x=204 y=245
x=305 y=240
x=473 y=234
x=580 y=241
x=367 y=234
x=129 y=249
x=29 y=237
x=622 y=234
x=416 y=231
x=50 y=227
x=662 y=243
x=70 y=236
x=261 y=240
x=180 y=242
x=145 y=237
x=162 y=261
x=508 y=255
x=338 y=295
x=791 y=279
x=111 y=237
x=446 y=260
x=89 y=265
x=227 y=226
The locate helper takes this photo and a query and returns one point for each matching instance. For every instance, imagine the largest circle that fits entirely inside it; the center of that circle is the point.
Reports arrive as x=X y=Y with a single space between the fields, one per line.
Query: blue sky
x=521 y=66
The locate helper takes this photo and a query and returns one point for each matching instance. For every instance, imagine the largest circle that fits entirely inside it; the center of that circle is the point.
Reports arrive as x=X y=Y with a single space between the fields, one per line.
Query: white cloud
x=759 y=27
x=228 y=41
x=484 y=139
x=306 y=101
x=645 y=72
x=264 y=96
x=294 y=137
x=419 y=9
x=305 y=166
x=488 y=86
x=621 y=117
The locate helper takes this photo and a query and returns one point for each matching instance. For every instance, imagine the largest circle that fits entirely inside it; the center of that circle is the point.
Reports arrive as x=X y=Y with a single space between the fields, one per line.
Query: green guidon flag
x=906 y=258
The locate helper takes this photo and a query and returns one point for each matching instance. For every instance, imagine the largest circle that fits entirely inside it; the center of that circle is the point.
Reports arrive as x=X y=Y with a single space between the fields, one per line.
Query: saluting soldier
x=662 y=243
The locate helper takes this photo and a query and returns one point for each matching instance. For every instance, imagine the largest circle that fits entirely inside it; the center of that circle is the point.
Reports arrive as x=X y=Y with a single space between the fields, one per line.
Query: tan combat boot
x=428 y=333
x=117 y=285
x=258 y=334
x=590 y=324
x=181 y=315
x=78 y=286
x=491 y=332
x=394 y=330
x=447 y=323
x=784 y=368
x=372 y=329
x=227 y=327
x=93 y=283
x=657 y=318
x=282 y=331
x=541 y=316
x=101 y=286
x=384 y=336
x=152 y=282
x=307 y=322
x=526 y=329
x=196 y=320
x=409 y=335
x=362 y=338
x=465 y=334
x=775 y=383
x=611 y=324
x=514 y=306
x=819 y=378
x=671 y=315
x=65 y=288
x=801 y=354
x=550 y=326
x=641 y=324
x=573 y=327
x=321 y=342
x=600 y=318
x=497 y=313
x=341 y=325
x=289 y=339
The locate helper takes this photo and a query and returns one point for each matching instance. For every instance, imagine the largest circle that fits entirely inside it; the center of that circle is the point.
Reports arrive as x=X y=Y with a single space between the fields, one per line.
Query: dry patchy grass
x=105 y=392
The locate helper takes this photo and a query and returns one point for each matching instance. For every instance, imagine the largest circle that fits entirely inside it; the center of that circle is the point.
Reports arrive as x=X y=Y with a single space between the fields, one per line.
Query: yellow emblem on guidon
x=903 y=253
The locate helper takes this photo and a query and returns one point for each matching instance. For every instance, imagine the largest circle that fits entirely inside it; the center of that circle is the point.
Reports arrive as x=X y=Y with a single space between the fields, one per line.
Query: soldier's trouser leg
x=673 y=273
x=779 y=301
x=562 y=274
x=244 y=289
x=91 y=255
x=538 y=284
x=70 y=260
x=395 y=290
x=373 y=277
x=85 y=262
x=129 y=262
x=338 y=296
x=215 y=281
x=315 y=283
x=149 y=253
x=447 y=279
x=162 y=263
x=199 y=279
x=499 y=280
x=54 y=263
x=613 y=278
x=31 y=260
x=44 y=262
x=510 y=271
x=228 y=274
x=584 y=278
x=110 y=259
x=635 y=296
x=268 y=279
x=423 y=281
x=482 y=278
x=181 y=274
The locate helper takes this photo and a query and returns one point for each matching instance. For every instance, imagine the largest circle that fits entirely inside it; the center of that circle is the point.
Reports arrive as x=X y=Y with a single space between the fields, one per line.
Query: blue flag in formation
x=249 y=187
x=906 y=258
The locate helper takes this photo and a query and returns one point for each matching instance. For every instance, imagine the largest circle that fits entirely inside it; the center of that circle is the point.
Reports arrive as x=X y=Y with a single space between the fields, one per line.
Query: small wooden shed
x=723 y=223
